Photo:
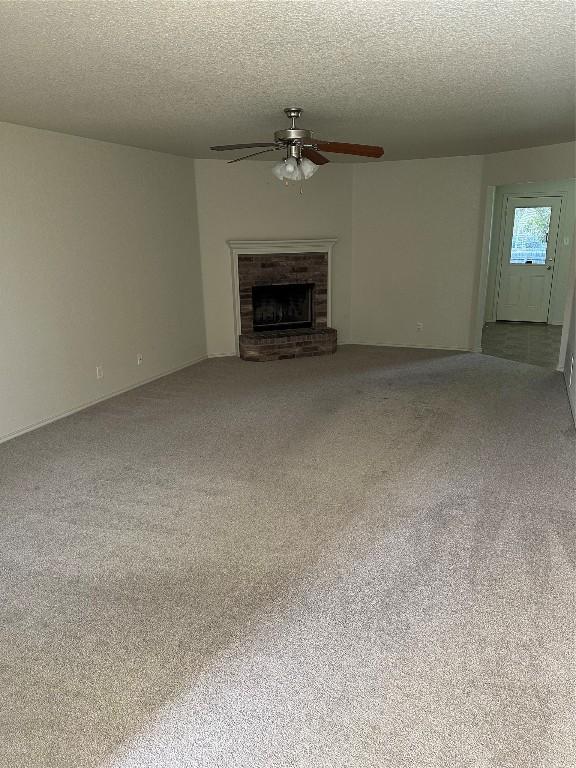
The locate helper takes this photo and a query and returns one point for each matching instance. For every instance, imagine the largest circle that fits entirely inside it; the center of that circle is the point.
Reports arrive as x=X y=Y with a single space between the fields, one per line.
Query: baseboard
x=407 y=346
x=210 y=355
x=50 y=419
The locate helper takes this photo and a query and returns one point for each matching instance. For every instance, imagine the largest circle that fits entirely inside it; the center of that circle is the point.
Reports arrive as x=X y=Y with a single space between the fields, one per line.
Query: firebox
x=282 y=306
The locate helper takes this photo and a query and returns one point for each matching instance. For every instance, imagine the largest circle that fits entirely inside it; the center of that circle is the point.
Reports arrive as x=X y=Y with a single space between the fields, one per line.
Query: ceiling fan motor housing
x=294 y=139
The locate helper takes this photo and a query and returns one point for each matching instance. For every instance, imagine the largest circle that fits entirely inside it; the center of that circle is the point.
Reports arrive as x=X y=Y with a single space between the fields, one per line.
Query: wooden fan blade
x=245 y=146
x=364 y=150
x=245 y=157
x=314 y=156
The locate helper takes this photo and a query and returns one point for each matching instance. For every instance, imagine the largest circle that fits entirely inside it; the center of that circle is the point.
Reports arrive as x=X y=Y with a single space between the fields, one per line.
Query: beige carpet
x=365 y=560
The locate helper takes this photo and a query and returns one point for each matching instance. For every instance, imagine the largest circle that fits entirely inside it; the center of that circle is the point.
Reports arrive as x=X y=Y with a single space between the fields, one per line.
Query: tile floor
x=535 y=343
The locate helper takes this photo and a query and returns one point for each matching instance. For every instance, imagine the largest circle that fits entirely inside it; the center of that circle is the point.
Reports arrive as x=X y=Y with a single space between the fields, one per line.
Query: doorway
x=528 y=238
x=529 y=243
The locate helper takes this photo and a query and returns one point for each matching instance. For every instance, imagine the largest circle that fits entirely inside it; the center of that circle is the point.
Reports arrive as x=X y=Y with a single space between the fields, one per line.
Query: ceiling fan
x=302 y=150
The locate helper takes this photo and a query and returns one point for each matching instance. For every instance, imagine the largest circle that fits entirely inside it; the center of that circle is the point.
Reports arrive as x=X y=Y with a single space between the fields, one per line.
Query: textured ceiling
x=421 y=78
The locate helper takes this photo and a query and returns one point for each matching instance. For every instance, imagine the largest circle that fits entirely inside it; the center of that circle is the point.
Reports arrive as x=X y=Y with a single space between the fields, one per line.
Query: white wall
x=415 y=235
x=568 y=343
x=244 y=201
x=550 y=163
x=570 y=359
x=99 y=261
x=100 y=256
x=410 y=238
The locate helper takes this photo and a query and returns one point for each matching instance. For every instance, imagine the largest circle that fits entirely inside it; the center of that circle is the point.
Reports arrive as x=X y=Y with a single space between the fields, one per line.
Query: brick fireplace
x=282 y=299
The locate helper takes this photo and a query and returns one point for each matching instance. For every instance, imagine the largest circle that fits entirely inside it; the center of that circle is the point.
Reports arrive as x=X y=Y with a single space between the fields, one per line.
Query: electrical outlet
x=139 y=358
x=99 y=372
x=419 y=326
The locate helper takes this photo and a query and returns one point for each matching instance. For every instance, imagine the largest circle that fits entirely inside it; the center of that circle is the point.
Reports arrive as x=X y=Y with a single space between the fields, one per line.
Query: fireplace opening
x=278 y=307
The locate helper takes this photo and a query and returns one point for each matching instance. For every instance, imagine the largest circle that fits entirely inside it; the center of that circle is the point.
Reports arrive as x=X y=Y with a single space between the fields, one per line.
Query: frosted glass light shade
x=291 y=170
x=308 y=167
x=278 y=170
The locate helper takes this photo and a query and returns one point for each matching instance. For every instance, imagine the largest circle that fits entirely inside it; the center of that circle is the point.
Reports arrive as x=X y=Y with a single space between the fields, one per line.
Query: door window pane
x=530 y=235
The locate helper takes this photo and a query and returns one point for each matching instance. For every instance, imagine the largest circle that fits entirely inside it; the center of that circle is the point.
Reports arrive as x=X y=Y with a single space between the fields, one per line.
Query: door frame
x=503 y=228
x=489 y=252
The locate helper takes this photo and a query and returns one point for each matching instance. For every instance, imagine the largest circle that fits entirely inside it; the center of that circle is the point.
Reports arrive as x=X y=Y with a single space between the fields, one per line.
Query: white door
x=527 y=256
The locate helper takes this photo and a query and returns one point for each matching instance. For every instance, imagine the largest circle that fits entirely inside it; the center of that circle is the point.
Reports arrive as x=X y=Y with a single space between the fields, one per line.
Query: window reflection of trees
x=529 y=235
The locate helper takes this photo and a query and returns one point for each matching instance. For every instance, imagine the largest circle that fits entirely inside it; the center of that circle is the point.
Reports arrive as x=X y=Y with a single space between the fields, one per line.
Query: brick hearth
x=282 y=345
x=278 y=269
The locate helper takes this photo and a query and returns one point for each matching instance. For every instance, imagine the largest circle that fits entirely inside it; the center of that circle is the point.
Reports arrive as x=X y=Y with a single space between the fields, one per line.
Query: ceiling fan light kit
x=301 y=149
x=293 y=169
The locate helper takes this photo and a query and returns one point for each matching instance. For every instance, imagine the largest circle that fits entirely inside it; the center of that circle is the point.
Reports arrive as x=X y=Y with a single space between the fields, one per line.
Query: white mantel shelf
x=282 y=246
